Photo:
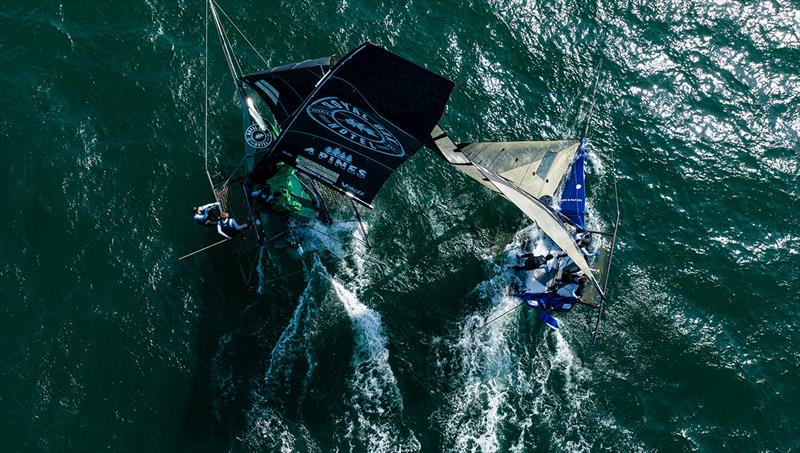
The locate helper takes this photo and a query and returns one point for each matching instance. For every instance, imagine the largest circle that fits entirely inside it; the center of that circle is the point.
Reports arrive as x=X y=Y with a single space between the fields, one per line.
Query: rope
x=223 y=39
x=242 y=34
x=205 y=248
x=205 y=148
x=234 y=171
x=365 y=256
x=594 y=92
x=497 y=317
x=288 y=274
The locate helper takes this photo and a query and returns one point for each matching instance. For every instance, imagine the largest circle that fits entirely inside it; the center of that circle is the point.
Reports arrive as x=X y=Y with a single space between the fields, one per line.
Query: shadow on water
x=235 y=330
x=221 y=299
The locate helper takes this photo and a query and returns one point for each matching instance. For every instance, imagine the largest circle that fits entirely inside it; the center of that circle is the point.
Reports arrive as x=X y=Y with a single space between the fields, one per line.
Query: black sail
x=366 y=117
x=286 y=87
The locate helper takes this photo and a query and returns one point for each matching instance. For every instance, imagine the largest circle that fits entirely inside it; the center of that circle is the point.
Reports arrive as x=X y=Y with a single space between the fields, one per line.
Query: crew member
x=228 y=227
x=263 y=196
x=532 y=262
x=201 y=214
x=583 y=239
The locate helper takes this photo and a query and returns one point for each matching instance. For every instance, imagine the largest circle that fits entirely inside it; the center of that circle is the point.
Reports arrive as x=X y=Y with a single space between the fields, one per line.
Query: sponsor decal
x=338 y=159
x=351 y=189
x=355 y=125
x=256 y=137
x=317 y=170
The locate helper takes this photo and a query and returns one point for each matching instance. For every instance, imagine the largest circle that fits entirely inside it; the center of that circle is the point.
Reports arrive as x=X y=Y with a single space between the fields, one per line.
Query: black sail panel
x=286 y=87
x=371 y=113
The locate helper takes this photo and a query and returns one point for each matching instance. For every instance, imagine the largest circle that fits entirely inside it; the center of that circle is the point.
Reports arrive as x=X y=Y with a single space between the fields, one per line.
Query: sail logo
x=355 y=125
x=338 y=159
x=257 y=138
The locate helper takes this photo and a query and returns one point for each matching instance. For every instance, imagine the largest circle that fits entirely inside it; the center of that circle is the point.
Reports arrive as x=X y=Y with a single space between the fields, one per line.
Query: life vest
x=201 y=218
x=227 y=227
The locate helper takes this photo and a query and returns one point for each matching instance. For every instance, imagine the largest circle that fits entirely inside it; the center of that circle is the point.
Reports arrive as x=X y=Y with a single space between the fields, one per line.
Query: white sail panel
x=442 y=143
x=544 y=217
x=538 y=168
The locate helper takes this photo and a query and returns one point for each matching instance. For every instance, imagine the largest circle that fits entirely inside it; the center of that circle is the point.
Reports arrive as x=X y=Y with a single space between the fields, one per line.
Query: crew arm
x=219 y=230
x=216 y=203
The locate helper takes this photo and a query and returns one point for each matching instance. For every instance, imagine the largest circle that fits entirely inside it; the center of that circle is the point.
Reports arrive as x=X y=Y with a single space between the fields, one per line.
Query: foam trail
x=486 y=363
x=268 y=428
x=375 y=419
x=291 y=345
x=375 y=422
x=515 y=386
x=472 y=414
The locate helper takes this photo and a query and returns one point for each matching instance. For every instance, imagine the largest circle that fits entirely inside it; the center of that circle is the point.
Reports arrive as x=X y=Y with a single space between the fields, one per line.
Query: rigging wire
x=594 y=98
x=232 y=51
x=226 y=50
x=205 y=148
x=241 y=34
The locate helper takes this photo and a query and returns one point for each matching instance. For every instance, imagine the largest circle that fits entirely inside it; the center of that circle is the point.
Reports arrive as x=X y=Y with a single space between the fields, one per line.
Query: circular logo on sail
x=355 y=125
x=257 y=138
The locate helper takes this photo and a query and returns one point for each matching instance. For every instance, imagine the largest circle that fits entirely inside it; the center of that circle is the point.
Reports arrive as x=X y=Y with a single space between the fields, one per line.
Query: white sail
x=535 y=167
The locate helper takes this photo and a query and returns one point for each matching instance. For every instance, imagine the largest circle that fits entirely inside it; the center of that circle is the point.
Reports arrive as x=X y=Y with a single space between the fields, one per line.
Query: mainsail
x=368 y=115
x=286 y=87
x=522 y=172
x=538 y=168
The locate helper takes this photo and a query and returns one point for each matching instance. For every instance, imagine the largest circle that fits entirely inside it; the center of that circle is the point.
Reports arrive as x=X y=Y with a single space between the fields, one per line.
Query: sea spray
x=292 y=345
x=486 y=362
x=376 y=405
x=514 y=384
x=374 y=421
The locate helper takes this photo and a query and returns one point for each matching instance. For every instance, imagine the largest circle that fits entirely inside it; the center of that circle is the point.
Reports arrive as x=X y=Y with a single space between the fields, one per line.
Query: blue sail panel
x=573 y=199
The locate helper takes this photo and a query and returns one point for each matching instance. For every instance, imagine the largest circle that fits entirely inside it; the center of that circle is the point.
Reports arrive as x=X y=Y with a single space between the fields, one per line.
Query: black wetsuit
x=531 y=262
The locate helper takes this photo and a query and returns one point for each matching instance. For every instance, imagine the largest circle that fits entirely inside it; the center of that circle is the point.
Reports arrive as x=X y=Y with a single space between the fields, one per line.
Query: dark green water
x=110 y=343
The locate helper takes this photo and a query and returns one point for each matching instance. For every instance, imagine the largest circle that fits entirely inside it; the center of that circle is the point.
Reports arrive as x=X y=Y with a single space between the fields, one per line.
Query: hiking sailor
x=569 y=283
x=532 y=262
x=228 y=227
x=201 y=214
x=583 y=239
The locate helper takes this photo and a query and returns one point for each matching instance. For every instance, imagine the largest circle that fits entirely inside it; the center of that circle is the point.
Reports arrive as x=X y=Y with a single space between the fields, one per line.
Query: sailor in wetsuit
x=583 y=239
x=201 y=214
x=532 y=262
x=569 y=283
x=228 y=227
x=263 y=197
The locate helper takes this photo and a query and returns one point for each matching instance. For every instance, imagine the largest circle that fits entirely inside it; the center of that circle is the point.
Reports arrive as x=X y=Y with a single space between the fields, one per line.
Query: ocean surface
x=109 y=343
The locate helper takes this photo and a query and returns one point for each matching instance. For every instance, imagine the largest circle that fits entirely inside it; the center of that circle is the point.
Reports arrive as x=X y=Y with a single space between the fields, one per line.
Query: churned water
x=110 y=343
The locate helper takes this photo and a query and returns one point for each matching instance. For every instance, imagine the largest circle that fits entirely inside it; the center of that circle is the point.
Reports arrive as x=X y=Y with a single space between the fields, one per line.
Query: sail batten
x=285 y=87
